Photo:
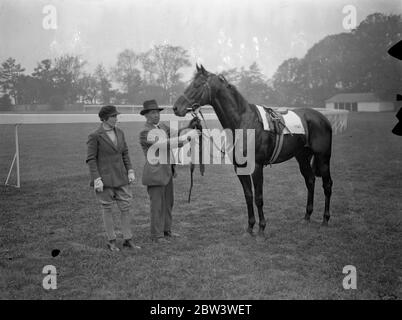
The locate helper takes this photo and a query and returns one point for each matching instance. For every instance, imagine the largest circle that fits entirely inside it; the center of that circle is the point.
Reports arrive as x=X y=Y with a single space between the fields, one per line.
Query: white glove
x=131 y=176
x=98 y=185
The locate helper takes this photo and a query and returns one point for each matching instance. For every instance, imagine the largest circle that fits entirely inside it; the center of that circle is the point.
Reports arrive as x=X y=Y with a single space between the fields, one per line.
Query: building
x=369 y=102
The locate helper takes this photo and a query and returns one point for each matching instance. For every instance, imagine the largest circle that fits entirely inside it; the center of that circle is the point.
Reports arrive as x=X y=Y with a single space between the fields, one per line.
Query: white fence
x=128 y=108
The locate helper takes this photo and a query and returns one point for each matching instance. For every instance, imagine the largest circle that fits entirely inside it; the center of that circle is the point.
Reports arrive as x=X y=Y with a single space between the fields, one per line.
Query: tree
x=103 y=84
x=232 y=76
x=165 y=61
x=10 y=72
x=88 y=88
x=128 y=74
x=153 y=91
x=348 y=62
x=286 y=83
x=375 y=35
x=67 y=72
x=253 y=85
x=149 y=71
x=44 y=75
x=29 y=89
x=5 y=103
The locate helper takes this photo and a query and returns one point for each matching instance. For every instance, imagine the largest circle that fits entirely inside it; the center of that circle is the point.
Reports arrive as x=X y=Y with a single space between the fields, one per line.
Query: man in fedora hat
x=158 y=177
x=111 y=173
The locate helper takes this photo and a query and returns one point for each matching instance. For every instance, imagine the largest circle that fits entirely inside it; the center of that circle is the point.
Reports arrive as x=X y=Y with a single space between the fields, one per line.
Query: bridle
x=196 y=105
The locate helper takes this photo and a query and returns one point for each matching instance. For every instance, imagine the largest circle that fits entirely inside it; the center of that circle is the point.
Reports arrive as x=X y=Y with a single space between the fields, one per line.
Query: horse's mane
x=241 y=102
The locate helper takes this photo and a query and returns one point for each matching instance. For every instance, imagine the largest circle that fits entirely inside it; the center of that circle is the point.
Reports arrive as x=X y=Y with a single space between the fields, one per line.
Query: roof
x=355 y=97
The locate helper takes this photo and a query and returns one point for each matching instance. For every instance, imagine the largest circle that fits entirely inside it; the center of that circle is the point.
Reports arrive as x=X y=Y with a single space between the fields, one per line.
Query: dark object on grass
x=396 y=50
x=397 y=130
x=55 y=252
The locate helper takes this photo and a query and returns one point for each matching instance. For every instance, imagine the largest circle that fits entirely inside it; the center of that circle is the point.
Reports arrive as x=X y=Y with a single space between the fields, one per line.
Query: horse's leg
x=245 y=181
x=258 y=181
x=304 y=159
x=323 y=166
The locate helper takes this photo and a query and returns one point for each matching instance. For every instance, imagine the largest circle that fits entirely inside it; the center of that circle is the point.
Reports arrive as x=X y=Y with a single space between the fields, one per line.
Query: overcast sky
x=221 y=34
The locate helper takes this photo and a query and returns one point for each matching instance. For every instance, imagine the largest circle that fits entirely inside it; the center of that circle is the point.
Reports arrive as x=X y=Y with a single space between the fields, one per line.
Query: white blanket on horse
x=292 y=121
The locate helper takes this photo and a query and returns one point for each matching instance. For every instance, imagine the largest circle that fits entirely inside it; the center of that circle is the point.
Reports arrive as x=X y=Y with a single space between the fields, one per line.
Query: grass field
x=56 y=209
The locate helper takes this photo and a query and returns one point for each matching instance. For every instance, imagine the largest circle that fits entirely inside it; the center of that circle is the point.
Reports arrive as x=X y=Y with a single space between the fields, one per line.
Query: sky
x=220 y=34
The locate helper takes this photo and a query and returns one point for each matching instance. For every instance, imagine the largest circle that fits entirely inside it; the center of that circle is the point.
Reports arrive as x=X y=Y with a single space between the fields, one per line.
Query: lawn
x=56 y=209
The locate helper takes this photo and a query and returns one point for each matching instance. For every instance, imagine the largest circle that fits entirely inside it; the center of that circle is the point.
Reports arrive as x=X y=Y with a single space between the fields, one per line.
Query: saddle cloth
x=289 y=121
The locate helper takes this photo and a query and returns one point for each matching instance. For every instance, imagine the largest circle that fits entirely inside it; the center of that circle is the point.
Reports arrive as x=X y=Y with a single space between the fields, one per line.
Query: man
x=111 y=173
x=158 y=177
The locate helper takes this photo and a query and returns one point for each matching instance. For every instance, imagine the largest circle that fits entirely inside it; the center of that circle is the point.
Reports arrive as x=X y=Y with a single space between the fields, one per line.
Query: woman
x=111 y=173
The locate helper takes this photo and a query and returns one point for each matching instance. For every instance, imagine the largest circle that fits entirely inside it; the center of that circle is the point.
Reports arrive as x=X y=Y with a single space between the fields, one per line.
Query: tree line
x=64 y=80
x=355 y=61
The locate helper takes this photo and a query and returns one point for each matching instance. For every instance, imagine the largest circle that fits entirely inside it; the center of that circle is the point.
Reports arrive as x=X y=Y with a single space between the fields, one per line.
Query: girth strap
x=277 y=148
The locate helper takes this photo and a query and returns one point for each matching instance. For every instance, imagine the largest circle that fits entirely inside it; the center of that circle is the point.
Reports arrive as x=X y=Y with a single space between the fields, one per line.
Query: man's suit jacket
x=158 y=174
x=106 y=160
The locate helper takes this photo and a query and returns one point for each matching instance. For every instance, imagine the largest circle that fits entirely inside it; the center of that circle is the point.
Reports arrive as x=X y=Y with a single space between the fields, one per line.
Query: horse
x=312 y=150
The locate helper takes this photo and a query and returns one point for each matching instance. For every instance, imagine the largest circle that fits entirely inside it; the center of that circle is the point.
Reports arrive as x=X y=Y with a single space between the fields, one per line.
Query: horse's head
x=197 y=94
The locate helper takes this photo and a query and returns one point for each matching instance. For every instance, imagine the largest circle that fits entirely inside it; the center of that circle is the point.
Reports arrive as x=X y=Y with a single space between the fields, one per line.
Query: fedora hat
x=150 y=105
x=107 y=111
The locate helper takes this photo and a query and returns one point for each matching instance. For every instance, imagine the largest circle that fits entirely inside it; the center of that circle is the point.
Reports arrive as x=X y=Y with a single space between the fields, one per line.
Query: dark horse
x=234 y=112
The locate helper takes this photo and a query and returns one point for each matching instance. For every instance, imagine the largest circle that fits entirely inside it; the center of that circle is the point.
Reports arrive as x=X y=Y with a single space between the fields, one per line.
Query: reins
x=198 y=126
x=193 y=109
x=202 y=165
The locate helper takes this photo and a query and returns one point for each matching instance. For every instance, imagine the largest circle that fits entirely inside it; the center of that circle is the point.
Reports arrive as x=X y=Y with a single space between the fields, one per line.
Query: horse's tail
x=316 y=167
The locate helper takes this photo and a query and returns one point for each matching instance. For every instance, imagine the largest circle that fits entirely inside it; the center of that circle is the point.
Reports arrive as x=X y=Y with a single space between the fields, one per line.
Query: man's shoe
x=160 y=240
x=112 y=246
x=129 y=244
x=170 y=234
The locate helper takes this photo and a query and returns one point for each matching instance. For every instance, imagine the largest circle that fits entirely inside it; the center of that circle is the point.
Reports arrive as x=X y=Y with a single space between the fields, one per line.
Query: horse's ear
x=203 y=70
x=197 y=67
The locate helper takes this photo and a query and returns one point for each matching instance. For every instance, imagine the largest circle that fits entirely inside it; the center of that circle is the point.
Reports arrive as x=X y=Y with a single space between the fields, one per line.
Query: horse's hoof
x=261 y=238
x=306 y=220
x=324 y=223
x=247 y=235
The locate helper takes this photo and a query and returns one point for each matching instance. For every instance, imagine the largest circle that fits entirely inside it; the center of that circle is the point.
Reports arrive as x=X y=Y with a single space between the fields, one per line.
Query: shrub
x=5 y=103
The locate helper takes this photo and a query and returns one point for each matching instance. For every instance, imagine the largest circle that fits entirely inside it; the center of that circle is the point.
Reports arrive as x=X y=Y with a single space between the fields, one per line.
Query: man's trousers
x=161 y=198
